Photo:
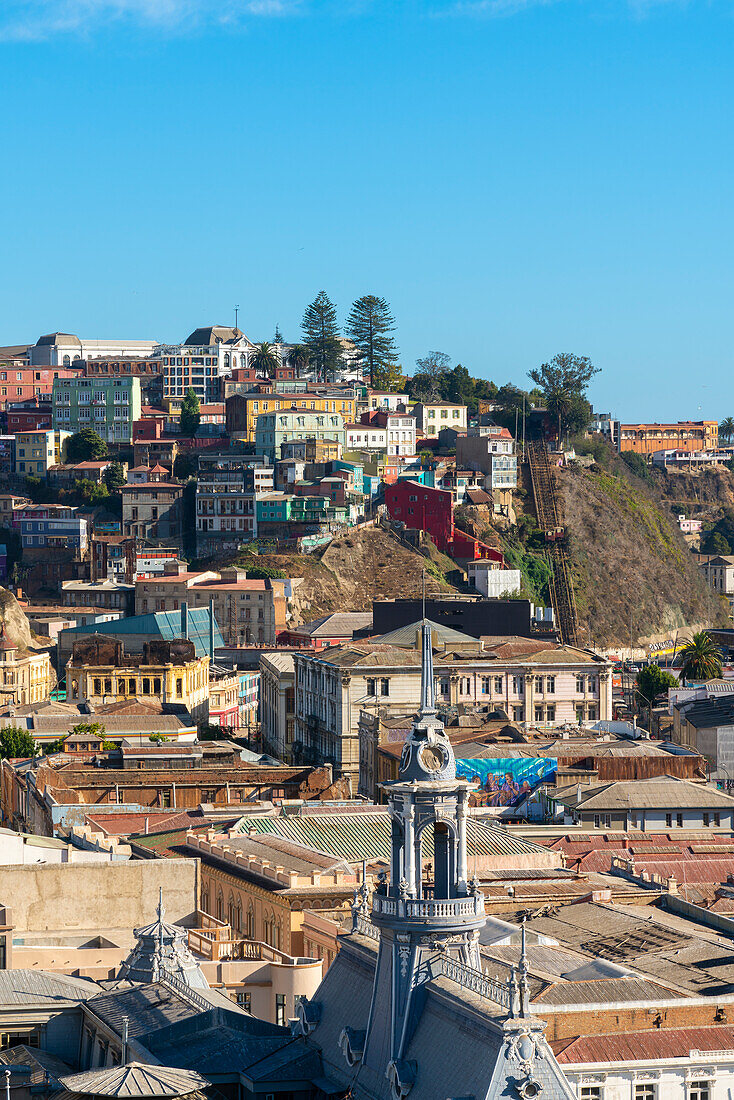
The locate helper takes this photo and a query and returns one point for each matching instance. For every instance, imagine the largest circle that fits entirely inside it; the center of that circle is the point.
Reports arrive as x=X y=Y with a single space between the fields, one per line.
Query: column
x=529 y=696
x=409 y=847
x=461 y=870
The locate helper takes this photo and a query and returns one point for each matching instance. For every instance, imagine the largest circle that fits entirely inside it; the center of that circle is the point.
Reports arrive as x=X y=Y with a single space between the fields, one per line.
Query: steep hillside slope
x=357 y=567
x=633 y=574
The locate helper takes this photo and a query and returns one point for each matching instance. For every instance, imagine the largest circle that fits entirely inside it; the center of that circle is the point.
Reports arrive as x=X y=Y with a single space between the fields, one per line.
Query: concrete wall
x=98 y=897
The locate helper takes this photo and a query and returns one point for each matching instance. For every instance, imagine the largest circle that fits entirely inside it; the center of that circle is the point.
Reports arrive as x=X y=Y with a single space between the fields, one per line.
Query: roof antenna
x=236 y=311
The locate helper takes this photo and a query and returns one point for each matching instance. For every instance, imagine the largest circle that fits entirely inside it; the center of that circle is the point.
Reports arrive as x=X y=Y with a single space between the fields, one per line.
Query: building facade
x=37 y=451
x=153 y=511
x=227 y=488
x=432 y=416
x=99 y=672
x=108 y=405
x=686 y=435
x=275 y=428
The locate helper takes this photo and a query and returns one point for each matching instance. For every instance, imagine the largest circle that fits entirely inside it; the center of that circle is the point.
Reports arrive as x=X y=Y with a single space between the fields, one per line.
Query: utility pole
x=236 y=311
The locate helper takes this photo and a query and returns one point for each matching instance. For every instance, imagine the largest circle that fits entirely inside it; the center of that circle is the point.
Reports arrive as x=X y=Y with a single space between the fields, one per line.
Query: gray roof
x=26 y=987
x=147 y=1007
x=135 y=1080
x=661 y=792
x=718 y=710
x=406 y=635
x=340 y=623
x=40 y=1062
x=214 y=334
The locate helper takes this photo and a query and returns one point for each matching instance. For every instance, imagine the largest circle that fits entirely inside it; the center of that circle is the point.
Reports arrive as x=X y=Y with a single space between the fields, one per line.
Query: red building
x=424 y=508
x=24 y=383
x=28 y=416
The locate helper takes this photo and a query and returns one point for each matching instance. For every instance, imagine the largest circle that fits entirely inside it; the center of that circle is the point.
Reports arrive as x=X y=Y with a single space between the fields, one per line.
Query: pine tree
x=278 y=337
x=369 y=325
x=190 y=413
x=321 y=335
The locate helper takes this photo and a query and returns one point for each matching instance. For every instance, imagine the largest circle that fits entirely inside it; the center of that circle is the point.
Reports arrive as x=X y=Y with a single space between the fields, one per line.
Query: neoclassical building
x=99 y=671
x=533 y=681
x=24 y=678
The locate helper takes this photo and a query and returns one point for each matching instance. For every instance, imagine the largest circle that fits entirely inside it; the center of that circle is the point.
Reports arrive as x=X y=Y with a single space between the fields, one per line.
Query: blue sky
x=518 y=178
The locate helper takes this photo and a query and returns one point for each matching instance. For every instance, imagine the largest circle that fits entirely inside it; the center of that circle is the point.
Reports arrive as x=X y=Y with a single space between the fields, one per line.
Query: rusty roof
x=635 y=1046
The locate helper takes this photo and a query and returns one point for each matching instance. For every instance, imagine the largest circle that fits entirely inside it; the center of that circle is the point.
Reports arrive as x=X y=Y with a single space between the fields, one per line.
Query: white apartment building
x=718 y=570
x=62 y=349
x=201 y=360
x=542 y=684
x=365 y=437
x=401 y=434
x=491 y=581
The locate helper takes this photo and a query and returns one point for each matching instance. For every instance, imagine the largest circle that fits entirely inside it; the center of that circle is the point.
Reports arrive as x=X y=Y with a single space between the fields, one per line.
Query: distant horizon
x=517 y=178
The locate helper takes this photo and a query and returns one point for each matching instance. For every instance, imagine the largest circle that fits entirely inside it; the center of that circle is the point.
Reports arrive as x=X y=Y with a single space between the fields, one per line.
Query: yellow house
x=243 y=409
x=23 y=680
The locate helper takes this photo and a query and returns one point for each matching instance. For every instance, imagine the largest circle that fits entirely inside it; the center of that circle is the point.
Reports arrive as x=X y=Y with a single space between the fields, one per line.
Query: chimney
x=211 y=628
x=184 y=619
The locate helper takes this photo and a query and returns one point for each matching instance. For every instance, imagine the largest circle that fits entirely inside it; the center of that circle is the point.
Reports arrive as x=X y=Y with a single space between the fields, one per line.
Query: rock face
x=16 y=623
x=634 y=575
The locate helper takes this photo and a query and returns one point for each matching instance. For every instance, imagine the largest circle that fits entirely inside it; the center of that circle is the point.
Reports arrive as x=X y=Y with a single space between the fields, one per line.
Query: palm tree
x=300 y=357
x=265 y=359
x=726 y=428
x=700 y=658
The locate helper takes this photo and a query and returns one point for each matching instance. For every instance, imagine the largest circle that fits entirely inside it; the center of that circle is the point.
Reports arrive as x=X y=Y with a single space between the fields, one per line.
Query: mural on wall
x=506 y=782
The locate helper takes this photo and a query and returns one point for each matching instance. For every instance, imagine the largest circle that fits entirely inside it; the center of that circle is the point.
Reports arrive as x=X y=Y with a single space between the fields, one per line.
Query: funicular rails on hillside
x=546 y=510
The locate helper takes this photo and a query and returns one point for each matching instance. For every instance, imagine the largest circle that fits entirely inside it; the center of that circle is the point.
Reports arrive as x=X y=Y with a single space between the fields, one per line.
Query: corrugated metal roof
x=367 y=836
x=24 y=986
x=637 y=1046
x=604 y=991
x=135 y=1080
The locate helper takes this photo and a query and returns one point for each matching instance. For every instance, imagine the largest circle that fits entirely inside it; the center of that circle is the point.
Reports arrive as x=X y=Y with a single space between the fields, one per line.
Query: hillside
x=357 y=567
x=633 y=573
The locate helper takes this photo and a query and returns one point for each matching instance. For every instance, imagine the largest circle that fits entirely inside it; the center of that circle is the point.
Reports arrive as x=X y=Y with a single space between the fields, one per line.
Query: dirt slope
x=354 y=569
x=634 y=575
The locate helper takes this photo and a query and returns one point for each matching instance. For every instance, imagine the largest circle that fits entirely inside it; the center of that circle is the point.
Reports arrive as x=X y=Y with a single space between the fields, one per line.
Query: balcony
x=449 y=910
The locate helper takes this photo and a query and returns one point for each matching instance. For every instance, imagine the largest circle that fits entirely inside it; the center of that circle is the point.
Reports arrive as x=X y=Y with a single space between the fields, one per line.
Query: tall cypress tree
x=369 y=325
x=321 y=335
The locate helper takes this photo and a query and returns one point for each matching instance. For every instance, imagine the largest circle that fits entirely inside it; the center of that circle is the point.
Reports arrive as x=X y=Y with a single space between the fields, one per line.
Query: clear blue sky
x=517 y=178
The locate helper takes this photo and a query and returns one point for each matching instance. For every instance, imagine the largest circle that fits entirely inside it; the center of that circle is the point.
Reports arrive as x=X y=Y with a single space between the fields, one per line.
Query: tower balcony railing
x=428 y=908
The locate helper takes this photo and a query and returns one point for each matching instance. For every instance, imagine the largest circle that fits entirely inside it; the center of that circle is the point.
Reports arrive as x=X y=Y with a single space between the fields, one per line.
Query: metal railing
x=476 y=982
x=428 y=909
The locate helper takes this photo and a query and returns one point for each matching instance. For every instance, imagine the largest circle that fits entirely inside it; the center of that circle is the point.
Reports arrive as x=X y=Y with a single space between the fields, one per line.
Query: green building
x=108 y=405
x=285 y=508
x=272 y=429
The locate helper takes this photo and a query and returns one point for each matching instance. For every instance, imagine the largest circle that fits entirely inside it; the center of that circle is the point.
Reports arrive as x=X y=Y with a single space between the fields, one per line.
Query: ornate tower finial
x=428 y=689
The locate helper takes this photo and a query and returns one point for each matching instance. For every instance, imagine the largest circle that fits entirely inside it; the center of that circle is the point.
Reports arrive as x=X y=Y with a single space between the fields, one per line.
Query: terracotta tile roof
x=131 y=823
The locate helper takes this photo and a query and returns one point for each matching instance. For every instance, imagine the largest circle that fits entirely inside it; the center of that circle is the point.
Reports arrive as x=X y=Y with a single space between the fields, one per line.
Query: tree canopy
x=85 y=446
x=114 y=477
x=265 y=359
x=190 y=413
x=299 y=357
x=564 y=382
x=369 y=326
x=700 y=658
x=15 y=742
x=726 y=428
x=653 y=681
x=321 y=335
x=436 y=380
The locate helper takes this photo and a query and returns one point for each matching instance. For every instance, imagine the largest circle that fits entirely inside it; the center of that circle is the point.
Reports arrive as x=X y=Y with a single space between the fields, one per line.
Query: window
x=179 y=687
x=707 y=819
x=580 y=683
x=669 y=820
x=372 y=687
x=590 y=1092
x=165 y=799
x=486 y=685
x=97 y=687
x=538 y=714
x=679 y=820
x=517 y=715
x=717 y=822
x=699 y=1090
x=465 y=685
x=602 y=821
x=280 y=1009
x=539 y=684
x=550 y=713
x=579 y=715
x=550 y=685
x=384 y=687
x=517 y=685
x=244 y=1000
x=498 y=685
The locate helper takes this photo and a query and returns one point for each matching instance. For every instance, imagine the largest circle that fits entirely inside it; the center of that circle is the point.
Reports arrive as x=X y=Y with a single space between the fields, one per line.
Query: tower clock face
x=432 y=758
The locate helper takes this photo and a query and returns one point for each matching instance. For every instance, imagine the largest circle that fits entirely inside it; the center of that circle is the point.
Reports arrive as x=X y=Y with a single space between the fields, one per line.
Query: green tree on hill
x=266 y=359
x=564 y=382
x=700 y=659
x=114 y=477
x=369 y=326
x=190 y=413
x=321 y=335
x=299 y=358
x=85 y=446
x=726 y=429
